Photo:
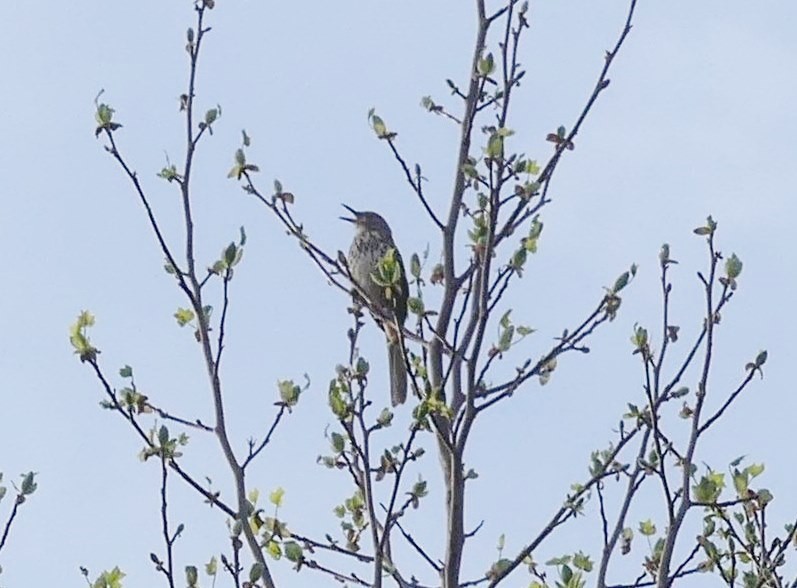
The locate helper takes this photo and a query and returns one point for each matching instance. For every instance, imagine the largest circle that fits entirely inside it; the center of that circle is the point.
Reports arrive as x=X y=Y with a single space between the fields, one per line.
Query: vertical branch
x=368 y=494
x=167 y=537
x=452 y=460
x=610 y=541
x=191 y=142
x=451 y=282
x=664 y=580
x=655 y=394
x=211 y=365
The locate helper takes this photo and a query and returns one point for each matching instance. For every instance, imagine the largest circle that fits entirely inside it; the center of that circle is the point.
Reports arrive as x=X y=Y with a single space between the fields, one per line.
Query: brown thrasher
x=371 y=243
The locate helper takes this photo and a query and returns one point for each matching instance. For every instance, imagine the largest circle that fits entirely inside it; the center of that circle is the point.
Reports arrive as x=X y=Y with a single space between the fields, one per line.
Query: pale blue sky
x=699 y=119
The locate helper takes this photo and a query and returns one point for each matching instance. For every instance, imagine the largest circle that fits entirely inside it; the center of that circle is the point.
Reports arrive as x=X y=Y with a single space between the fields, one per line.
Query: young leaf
x=733 y=267
x=647 y=528
x=276 y=497
x=293 y=551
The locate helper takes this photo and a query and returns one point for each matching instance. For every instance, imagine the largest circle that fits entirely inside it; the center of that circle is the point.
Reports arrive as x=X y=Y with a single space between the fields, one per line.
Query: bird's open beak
x=351 y=210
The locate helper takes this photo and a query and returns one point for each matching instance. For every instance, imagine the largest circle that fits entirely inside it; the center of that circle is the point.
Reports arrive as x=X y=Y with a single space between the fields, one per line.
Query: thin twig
x=262 y=445
x=415 y=183
x=20 y=498
x=168 y=540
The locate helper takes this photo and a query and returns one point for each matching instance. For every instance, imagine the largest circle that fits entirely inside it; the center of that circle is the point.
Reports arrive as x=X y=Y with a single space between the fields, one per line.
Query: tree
x=459 y=371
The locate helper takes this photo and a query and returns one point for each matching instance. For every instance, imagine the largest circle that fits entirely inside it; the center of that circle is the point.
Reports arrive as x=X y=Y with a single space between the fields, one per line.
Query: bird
x=373 y=239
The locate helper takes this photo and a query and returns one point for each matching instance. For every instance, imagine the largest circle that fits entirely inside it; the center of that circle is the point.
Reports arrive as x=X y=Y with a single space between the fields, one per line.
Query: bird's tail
x=398 y=373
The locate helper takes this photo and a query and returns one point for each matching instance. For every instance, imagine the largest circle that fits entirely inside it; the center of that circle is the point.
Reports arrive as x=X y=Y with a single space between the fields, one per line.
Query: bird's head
x=367 y=221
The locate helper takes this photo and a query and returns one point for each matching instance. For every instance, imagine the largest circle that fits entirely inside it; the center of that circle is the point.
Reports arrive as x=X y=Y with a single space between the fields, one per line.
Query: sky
x=698 y=120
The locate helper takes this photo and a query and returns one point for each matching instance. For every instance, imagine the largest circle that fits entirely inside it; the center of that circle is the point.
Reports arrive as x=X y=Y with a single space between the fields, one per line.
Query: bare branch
x=253 y=452
x=414 y=182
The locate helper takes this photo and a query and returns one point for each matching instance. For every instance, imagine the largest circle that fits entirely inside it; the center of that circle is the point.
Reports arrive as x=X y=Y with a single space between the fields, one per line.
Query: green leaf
x=495 y=147
x=79 y=339
x=112 y=579
x=740 y=483
x=169 y=173
x=582 y=562
x=415 y=266
x=385 y=418
x=737 y=461
x=627 y=537
x=647 y=528
x=621 y=282
x=253 y=496
x=338 y=442
x=640 y=337
x=764 y=497
x=276 y=497
x=505 y=341
x=470 y=170
x=104 y=114
x=733 y=267
x=211 y=116
x=191 y=576
x=363 y=367
x=256 y=571
x=184 y=316
x=240 y=158
x=415 y=306
x=289 y=392
x=487 y=65
x=218 y=267
x=293 y=551
x=566 y=574
x=709 y=487
x=126 y=372
x=664 y=255
x=379 y=126
x=336 y=402
x=230 y=254
x=680 y=392
x=28 y=484
x=499 y=567
x=519 y=259
x=711 y=224
x=532 y=167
